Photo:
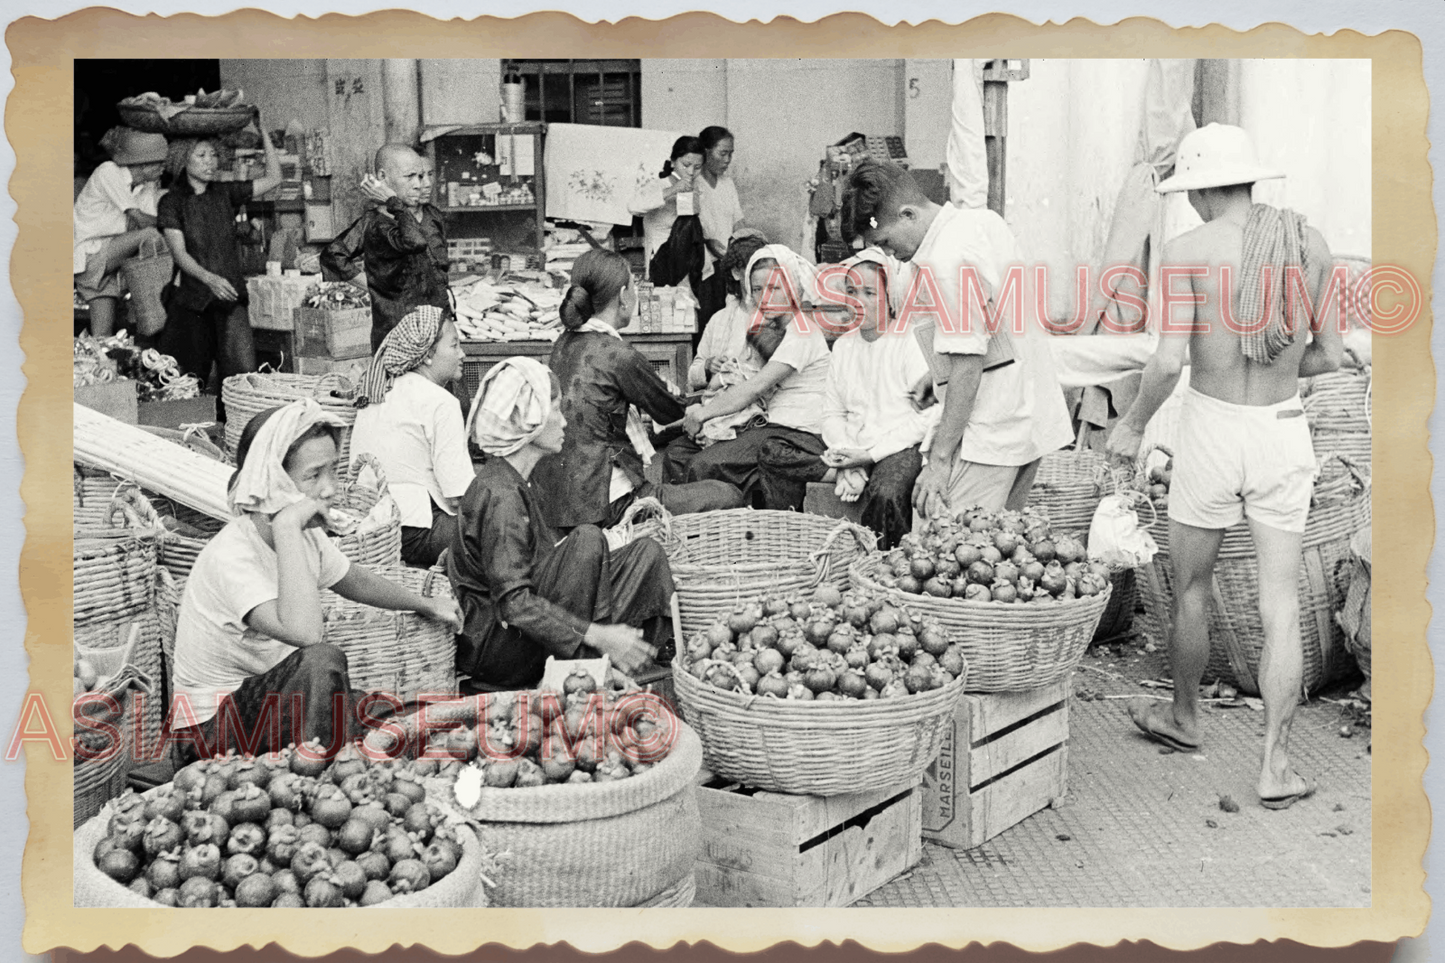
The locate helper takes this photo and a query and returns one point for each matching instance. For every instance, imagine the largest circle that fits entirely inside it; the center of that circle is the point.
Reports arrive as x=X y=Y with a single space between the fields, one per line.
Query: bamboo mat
x=153 y=463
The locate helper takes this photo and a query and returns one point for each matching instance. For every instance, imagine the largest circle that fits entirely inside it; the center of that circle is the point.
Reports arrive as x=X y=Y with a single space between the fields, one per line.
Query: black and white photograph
x=449 y=532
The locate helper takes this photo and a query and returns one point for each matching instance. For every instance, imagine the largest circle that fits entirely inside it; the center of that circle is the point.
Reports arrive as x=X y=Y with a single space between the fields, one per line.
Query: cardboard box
x=181 y=411
x=338 y=335
x=116 y=399
x=770 y=849
x=1005 y=757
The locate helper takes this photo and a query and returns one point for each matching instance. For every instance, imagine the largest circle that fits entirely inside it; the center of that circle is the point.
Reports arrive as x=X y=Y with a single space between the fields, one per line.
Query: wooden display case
x=489 y=183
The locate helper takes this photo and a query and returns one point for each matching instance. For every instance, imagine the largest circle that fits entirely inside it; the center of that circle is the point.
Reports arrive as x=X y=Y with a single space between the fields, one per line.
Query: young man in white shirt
x=999 y=420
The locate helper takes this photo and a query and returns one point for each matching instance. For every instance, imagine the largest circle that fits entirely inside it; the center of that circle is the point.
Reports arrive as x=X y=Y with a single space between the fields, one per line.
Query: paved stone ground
x=1141 y=828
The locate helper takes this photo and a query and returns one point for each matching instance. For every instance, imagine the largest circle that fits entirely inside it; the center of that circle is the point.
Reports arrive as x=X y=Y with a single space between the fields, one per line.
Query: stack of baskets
x=1340 y=509
x=401 y=653
x=1067 y=489
x=1338 y=408
x=114 y=569
x=720 y=558
x=247 y=395
x=1009 y=647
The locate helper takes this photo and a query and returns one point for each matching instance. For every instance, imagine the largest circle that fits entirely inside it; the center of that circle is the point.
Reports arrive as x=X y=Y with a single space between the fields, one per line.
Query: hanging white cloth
x=965 y=154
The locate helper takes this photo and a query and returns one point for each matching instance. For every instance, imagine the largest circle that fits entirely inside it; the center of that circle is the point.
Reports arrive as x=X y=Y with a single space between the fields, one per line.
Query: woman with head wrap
x=524 y=594
x=607 y=385
x=874 y=421
x=725 y=336
x=250 y=636
x=794 y=349
x=413 y=426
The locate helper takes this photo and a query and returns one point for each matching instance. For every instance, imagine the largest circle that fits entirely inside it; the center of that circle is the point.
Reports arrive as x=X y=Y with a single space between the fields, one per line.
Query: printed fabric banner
x=593 y=172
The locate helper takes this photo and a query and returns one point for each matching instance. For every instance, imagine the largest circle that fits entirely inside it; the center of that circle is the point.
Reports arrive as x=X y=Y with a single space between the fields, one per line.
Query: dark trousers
x=423 y=546
x=296 y=700
x=220 y=334
x=631 y=586
x=886 y=505
x=736 y=461
x=685 y=499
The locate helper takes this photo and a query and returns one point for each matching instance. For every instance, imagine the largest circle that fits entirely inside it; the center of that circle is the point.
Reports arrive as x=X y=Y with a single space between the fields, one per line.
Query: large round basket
x=1338 y=406
x=460 y=889
x=93 y=490
x=97 y=782
x=185 y=532
x=107 y=644
x=816 y=748
x=720 y=558
x=1236 y=633
x=191 y=122
x=247 y=395
x=401 y=653
x=617 y=844
x=376 y=541
x=1068 y=488
x=1009 y=647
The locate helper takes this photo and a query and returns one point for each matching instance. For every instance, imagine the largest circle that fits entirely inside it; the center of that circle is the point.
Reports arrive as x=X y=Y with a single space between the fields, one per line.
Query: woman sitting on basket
x=524 y=594
x=250 y=637
x=413 y=426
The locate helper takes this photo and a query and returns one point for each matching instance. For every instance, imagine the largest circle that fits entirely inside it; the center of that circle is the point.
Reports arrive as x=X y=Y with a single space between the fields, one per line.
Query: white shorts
x=1235 y=461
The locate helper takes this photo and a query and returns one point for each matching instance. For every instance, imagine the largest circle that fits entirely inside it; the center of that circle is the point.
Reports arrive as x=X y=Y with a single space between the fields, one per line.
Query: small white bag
x=1115 y=536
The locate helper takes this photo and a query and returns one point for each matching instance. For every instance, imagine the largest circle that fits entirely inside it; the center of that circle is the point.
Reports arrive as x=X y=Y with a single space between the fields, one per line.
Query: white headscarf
x=512 y=405
x=897 y=275
x=261 y=483
x=802 y=275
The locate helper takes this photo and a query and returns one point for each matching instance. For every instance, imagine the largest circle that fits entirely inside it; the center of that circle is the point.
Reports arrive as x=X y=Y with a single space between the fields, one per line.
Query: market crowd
x=519 y=497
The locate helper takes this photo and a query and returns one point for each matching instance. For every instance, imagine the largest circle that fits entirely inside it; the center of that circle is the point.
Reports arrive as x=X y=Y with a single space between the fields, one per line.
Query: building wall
x=285 y=90
x=927 y=98
x=461 y=91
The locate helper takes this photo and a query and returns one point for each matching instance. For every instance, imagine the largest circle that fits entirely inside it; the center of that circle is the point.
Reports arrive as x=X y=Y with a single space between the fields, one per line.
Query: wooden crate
x=1005 y=757
x=339 y=335
x=770 y=849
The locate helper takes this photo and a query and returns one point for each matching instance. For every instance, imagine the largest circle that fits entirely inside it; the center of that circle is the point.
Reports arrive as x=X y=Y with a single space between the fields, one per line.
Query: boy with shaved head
x=402 y=242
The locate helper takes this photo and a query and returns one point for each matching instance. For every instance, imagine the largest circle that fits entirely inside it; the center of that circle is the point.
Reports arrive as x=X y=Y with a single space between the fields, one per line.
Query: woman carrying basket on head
x=524 y=594
x=250 y=630
x=413 y=426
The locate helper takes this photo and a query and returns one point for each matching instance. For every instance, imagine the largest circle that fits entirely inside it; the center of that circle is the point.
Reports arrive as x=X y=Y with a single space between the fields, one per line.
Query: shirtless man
x=1244 y=446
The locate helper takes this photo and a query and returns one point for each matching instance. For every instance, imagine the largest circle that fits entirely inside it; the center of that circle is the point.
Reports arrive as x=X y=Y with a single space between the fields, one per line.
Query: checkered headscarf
x=402 y=350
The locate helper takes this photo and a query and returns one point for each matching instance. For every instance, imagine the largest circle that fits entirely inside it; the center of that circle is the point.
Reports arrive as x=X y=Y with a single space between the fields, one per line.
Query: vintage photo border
x=1404 y=233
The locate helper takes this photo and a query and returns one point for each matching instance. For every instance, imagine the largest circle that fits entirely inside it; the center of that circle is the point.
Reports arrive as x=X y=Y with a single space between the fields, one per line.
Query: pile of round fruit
x=1157 y=487
x=993 y=557
x=286 y=830
x=832 y=647
x=583 y=734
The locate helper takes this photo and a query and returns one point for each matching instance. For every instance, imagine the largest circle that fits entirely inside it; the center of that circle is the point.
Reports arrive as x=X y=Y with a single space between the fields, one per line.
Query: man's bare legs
x=1193 y=551
x=118 y=250
x=1281 y=664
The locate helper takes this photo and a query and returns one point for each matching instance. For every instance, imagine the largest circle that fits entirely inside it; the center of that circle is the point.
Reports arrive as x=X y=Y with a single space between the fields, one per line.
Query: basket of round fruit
x=1339 y=508
x=1022 y=602
x=718 y=558
x=829 y=694
x=199 y=115
x=570 y=784
x=289 y=829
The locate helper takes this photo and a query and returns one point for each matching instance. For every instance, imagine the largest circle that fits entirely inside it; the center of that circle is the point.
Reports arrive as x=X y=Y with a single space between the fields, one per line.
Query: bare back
x=1218 y=366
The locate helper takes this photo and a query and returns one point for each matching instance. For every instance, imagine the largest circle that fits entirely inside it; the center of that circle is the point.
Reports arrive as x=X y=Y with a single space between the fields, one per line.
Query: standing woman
x=206 y=321
x=524 y=593
x=670 y=227
x=599 y=471
x=720 y=213
x=413 y=426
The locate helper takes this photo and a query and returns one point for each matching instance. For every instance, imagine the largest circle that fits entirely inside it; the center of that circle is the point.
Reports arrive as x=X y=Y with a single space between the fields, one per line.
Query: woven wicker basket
x=397 y=652
x=1354 y=617
x=1009 y=647
x=114 y=564
x=177 y=551
x=191 y=122
x=460 y=889
x=1068 y=488
x=247 y=395
x=816 y=748
x=94 y=490
x=720 y=558
x=1236 y=633
x=146 y=276
x=1338 y=406
x=97 y=782
x=619 y=844
x=377 y=540
x=103 y=643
